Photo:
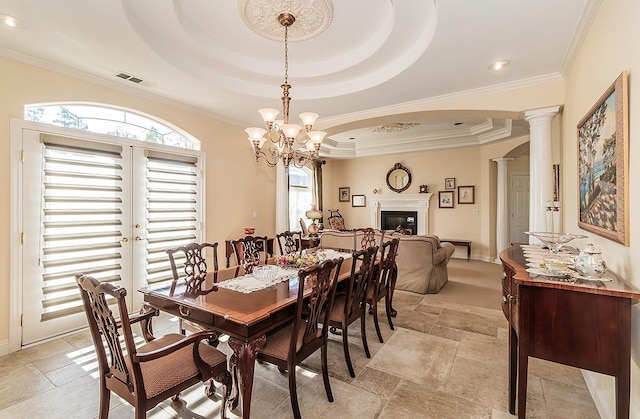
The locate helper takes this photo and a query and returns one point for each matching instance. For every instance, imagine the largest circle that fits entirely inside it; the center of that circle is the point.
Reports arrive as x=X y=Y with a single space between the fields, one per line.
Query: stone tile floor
x=444 y=360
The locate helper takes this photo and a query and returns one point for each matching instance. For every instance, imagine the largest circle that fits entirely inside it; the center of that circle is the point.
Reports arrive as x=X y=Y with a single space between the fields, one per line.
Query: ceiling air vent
x=132 y=79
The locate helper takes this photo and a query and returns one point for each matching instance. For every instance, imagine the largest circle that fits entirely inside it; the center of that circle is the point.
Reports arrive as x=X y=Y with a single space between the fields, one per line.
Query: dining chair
x=336 y=220
x=350 y=302
x=303 y=228
x=292 y=344
x=367 y=237
x=195 y=270
x=146 y=375
x=382 y=282
x=247 y=251
x=289 y=242
x=194 y=265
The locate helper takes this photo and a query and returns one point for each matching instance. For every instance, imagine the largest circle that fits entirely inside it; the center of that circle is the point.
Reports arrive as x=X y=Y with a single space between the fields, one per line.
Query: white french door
x=104 y=207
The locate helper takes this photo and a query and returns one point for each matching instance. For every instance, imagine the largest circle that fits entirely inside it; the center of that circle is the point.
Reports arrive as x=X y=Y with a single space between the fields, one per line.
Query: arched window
x=111 y=121
x=300 y=195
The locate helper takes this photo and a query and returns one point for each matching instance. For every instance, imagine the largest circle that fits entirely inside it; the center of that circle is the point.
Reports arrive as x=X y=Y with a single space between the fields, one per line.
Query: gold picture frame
x=603 y=172
x=358 y=201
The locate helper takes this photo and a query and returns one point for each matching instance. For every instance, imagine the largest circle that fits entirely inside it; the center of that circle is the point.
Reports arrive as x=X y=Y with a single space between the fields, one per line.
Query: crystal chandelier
x=286 y=142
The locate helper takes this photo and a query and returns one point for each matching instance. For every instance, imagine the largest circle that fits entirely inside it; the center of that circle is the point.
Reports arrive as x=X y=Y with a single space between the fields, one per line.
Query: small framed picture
x=445 y=199
x=466 y=195
x=449 y=183
x=343 y=194
x=358 y=201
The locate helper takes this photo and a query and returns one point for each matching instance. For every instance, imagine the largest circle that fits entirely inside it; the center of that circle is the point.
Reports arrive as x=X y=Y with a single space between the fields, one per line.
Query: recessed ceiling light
x=12 y=22
x=499 y=65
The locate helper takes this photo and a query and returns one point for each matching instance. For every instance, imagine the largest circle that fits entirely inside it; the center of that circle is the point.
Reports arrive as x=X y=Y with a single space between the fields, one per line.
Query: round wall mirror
x=398 y=178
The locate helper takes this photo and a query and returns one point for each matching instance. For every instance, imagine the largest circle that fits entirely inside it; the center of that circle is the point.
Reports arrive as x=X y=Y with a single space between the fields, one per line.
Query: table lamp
x=313 y=214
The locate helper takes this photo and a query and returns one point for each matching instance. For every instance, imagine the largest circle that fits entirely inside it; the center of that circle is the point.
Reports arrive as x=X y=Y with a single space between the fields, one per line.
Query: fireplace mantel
x=401 y=202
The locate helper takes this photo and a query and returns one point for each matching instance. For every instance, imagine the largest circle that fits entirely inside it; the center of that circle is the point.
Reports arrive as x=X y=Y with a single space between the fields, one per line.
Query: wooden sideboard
x=584 y=324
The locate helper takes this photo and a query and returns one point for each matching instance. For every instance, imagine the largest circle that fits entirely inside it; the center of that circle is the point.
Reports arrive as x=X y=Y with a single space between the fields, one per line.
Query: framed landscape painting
x=603 y=173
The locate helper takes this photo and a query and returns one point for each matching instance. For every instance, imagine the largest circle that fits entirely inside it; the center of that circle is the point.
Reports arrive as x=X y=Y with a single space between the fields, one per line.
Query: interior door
x=519 y=206
x=103 y=207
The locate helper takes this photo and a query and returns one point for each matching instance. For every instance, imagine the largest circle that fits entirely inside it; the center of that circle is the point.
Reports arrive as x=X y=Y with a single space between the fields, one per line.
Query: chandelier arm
x=262 y=155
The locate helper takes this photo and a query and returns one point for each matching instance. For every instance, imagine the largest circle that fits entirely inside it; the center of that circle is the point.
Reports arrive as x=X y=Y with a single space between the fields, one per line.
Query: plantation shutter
x=174 y=207
x=82 y=209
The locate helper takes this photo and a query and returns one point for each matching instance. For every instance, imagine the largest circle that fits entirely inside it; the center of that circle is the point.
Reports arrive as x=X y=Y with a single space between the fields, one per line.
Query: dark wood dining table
x=245 y=317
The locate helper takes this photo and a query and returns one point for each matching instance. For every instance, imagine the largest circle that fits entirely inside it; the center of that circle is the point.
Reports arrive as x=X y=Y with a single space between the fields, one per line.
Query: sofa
x=421 y=260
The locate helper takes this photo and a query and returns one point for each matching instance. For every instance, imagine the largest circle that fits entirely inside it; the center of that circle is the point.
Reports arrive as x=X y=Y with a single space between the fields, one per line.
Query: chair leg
x=105 y=398
x=374 y=305
x=325 y=372
x=293 y=392
x=387 y=307
x=345 y=347
x=141 y=412
x=363 y=332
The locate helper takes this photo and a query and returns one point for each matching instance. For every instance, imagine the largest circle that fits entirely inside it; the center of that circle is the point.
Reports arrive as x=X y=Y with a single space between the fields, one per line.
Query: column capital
x=502 y=160
x=549 y=112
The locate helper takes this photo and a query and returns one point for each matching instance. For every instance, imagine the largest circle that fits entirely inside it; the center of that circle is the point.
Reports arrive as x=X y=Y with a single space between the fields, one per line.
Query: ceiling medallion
x=312 y=17
x=396 y=127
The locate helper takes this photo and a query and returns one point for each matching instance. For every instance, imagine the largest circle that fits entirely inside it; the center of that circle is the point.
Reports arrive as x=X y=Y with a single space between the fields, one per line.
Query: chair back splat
x=289 y=242
x=247 y=251
x=195 y=265
x=153 y=372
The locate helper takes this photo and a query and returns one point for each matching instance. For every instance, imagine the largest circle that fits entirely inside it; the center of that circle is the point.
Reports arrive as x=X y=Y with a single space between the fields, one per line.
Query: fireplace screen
x=405 y=220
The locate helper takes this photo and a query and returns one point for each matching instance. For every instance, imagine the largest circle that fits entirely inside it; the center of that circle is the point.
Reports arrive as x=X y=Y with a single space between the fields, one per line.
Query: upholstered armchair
x=422 y=263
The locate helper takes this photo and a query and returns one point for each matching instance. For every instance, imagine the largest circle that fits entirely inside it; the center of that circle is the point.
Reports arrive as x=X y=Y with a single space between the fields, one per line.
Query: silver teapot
x=590 y=263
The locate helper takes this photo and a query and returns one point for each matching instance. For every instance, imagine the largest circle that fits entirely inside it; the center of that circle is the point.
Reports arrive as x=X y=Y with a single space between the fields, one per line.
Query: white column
x=540 y=166
x=282 y=199
x=502 y=213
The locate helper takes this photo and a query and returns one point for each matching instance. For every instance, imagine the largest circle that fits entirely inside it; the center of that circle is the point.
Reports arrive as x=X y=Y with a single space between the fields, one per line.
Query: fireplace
x=418 y=204
x=406 y=220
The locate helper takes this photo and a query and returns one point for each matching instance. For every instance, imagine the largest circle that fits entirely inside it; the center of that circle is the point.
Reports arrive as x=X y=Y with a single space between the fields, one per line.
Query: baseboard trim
x=4 y=348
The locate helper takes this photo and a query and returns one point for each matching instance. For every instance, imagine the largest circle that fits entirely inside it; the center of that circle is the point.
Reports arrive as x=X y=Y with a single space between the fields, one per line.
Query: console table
x=465 y=243
x=584 y=324
x=228 y=248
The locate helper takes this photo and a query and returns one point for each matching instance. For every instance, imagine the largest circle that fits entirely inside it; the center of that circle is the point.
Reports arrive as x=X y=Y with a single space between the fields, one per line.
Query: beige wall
x=235 y=187
x=610 y=47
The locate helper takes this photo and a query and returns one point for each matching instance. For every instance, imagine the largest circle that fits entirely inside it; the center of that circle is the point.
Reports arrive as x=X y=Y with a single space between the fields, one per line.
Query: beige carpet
x=474 y=283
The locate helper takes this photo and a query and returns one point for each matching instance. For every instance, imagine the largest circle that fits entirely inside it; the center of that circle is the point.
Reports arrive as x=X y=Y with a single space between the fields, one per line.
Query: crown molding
x=589 y=15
